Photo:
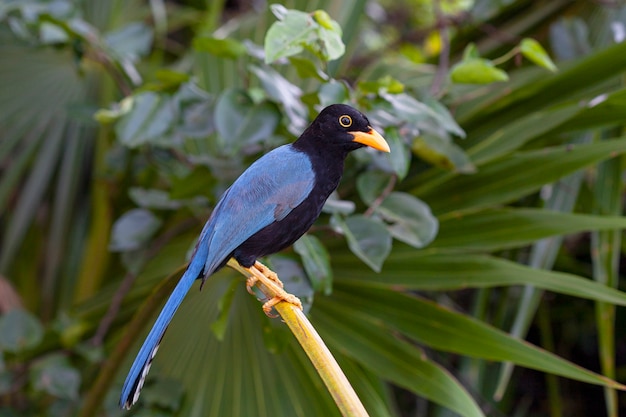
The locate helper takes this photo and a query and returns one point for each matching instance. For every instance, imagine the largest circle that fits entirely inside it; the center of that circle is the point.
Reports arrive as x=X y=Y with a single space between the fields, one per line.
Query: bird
x=270 y=206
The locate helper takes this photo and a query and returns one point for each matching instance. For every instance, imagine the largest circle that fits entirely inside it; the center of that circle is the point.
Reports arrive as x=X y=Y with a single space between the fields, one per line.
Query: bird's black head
x=341 y=126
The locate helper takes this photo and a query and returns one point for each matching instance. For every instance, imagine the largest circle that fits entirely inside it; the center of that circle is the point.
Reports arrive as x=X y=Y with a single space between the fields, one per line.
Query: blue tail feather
x=143 y=360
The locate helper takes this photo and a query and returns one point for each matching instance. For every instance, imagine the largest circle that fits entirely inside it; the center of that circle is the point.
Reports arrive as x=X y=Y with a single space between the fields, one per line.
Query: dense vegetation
x=494 y=222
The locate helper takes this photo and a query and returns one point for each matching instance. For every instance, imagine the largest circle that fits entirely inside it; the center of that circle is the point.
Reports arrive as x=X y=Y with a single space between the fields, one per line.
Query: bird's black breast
x=281 y=234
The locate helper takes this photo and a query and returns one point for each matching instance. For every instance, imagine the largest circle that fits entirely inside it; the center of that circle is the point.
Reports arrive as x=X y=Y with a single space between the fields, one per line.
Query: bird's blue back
x=266 y=192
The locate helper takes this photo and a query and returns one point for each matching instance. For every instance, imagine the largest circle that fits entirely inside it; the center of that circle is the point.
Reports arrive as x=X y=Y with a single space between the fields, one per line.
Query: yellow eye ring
x=345 y=121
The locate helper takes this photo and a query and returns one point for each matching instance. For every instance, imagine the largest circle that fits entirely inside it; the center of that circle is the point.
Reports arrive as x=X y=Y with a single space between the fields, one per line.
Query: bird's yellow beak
x=371 y=138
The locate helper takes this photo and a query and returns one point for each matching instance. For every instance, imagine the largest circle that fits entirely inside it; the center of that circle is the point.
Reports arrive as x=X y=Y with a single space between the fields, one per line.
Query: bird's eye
x=345 y=121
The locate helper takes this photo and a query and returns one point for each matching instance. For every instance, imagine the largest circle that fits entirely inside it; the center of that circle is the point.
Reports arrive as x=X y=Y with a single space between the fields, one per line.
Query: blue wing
x=266 y=192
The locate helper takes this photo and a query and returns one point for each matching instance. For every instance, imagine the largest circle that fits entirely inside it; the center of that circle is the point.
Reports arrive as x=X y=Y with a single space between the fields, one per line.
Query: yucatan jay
x=270 y=206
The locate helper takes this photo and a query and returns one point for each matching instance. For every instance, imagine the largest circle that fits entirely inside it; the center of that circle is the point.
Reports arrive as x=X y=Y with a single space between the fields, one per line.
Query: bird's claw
x=251 y=282
x=270 y=280
x=285 y=296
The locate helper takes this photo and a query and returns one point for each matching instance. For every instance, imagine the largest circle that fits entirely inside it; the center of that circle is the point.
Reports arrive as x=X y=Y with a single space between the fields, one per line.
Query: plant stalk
x=325 y=364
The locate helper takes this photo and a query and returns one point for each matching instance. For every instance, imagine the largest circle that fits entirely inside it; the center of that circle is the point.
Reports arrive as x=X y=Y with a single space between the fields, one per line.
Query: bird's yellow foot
x=268 y=273
x=271 y=281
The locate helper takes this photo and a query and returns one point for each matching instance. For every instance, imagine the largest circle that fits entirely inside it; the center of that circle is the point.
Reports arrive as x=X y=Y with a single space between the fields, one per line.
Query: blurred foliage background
x=474 y=271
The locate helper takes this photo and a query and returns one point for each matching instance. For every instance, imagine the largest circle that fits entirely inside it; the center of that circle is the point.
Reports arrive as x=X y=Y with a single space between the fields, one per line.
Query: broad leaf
x=477 y=71
x=501 y=181
x=533 y=50
x=499 y=229
x=225 y=48
x=367 y=239
x=545 y=90
x=411 y=219
x=446 y=330
x=19 y=330
x=216 y=387
x=442 y=153
x=54 y=375
x=371 y=185
x=307 y=69
x=150 y=117
x=241 y=122
x=288 y=36
x=298 y=30
x=375 y=347
x=133 y=229
x=316 y=261
x=132 y=41
x=282 y=91
x=441 y=272
x=400 y=156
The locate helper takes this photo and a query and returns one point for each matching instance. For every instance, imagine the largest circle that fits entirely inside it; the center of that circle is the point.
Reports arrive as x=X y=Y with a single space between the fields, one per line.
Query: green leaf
x=281 y=90
x=449 y=331
x=7 y=379
x=51 y=34
x=470 y=52
x=199 y=182
x=442 y=153
x=368 y=239
x=133 y=229
x=400 y=156
x=55 y=376
x=606 y=250
x=386 y=84
x=132 y=41
x=501 y=180
x=241 y=122
x=150 y=117
x=335 y=205
x=514 y=135
x=297 y=30
x=428 y=271
x=376 y=348
x=307 y=68
x=533 y=50
x=411 y=219
x=498 y=229
x=371 y=185
x=19 y=330
x=316 y=261
x=456 y=7
x=165 y=393
x=329 y=43
x=106 y=116
x=289 y=35
x=223 y=48
x=216 y=387
x=544 y=90
x=477 y=71
x=294 y=278
x=219 y=326
x=372 y=390
x=171 y=78
x=332 y=92
x=423 y=115
x=152 y=199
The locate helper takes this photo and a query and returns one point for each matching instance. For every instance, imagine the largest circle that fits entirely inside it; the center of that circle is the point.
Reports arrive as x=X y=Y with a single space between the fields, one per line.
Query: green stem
x=552 y=381
x=506 y=57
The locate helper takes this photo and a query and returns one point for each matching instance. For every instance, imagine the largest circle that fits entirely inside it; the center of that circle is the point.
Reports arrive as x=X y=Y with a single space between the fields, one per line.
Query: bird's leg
x=270 y=280
x=268 y=273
